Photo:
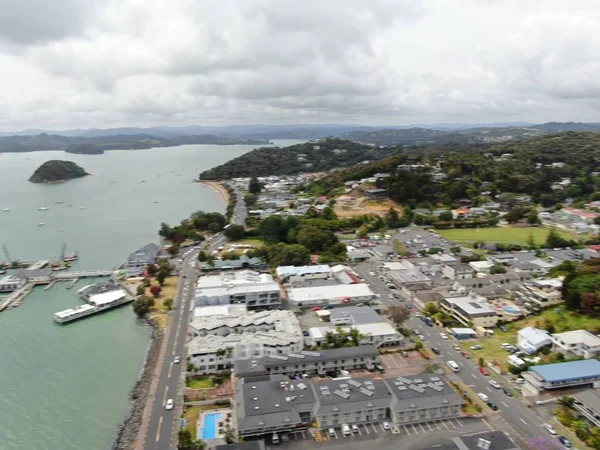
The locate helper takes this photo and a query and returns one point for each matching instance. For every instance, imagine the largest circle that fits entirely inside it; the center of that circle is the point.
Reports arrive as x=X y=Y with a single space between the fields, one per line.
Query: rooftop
x=471 y=305
x=578 y=337
x=107 y=297
x=568 y=371
x=534 y=335
x=279 y=320
x=590 y=398
x=408 y=276
x=287 y=271
x=358 y=315
x=320 y=293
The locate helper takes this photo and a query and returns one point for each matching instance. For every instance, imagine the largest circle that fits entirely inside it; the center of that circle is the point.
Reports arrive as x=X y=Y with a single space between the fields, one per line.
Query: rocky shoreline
x=127 y=432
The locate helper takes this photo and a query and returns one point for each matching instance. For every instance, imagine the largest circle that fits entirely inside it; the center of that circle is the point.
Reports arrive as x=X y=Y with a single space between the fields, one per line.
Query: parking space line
x=437 y=425
x=414 y=429
x=421 y=427
x=406 y=429
x=444 y=423
x=459 y=422
x=429 y=426
x=374 y=428
x=452 y=423
x=367 y=429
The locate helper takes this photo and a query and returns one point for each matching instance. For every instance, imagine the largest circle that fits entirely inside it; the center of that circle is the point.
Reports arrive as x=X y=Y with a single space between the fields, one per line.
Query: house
x=276 y=404
x=354 y=315
x=332 y=294
x=576 y=343
x=463 y=333
x=574 y=215
x=461 y=213
x=541 y=292
x=376 y=193
x=583 y=373
x=358 y=255
x=142 y=257
x=481 y=266
x=288 y=274
x=457 y=272
x=11 y=283
x=531 y=339
x=477 y=211
x=472 y=311
x=379 y=334
x=587 y=403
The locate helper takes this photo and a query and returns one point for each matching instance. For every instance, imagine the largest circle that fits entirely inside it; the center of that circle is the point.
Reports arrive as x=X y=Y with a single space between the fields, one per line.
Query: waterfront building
x=142 y=257
x=11 y=283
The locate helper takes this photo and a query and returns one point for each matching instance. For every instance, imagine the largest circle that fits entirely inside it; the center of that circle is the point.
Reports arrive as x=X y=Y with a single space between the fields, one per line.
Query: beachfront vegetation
x=194 y=228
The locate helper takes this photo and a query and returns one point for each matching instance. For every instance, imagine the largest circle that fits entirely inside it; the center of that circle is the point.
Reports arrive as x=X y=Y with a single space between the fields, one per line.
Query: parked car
x=444 y=336
x=483 y=397
x=495 y=384
x=476 y=347
x=354 y=428
x=457 y=348
x=177 y=360
x=503 y=328
x=169 y=404
x=345 y=373
x=316 y=308
x=418 y=316
x=550 y=429
x=466 y=355
x=332 y=433
x=492 y=405
x=484 y=371
x=386 y=426
x=346 y=431
x=564 y=441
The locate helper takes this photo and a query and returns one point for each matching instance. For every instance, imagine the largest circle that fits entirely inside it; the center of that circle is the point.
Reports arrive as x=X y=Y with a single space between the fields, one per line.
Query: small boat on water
x=43 y=208
x=70 y=257
x=155 y=201
x=59 y=202
x=56 y=269
x=82 y=207
x=6 y=209
x=41 y=224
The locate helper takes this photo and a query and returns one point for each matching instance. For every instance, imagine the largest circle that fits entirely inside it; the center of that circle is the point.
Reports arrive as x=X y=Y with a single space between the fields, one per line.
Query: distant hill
x=315 y=156
x=55 y=171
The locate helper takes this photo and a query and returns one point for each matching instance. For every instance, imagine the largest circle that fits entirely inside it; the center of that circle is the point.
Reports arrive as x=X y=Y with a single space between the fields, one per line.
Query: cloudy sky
x=104 y=63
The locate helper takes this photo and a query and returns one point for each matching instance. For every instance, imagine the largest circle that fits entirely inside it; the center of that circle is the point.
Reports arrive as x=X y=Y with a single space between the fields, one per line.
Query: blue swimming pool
x=210 y=425
x=511 y=310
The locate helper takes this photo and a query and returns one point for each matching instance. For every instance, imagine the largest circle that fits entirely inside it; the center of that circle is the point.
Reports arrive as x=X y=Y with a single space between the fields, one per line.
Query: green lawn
x=199 y=383
x=506 y=235
x=491 y=350
x=565 y=320
x=191 y=415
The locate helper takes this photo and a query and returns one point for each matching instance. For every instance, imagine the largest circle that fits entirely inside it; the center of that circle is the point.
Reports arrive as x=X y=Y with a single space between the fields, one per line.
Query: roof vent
x=253 y=387
x=255 y=398
x=277 y=405
x=256 y=407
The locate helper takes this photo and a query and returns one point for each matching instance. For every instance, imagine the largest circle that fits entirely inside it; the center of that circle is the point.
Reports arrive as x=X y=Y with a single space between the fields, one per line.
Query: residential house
x=379 y=334
x=471 y=311
x=576 y=343
x=530 y=339
x=457 y=272
x=376 y=193
x=541 y=292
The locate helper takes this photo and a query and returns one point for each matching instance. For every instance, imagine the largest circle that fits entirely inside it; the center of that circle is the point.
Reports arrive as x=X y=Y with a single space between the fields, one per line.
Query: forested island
x=56 y=171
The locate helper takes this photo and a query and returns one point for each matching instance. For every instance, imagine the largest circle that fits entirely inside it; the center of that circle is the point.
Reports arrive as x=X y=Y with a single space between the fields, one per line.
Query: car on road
x=550 y=429
x=332 y=433
x=476 y=347
x=492 y=405
x=418 y=316
x=564 y=441
x=386 y=425
x=483 y=397
x=444 y=336
x=316 y=308
x=484 y=371
x=457 y=348
x=436 y=351
x=169 y=404
x=466 y=355
x=378 y=295
x=495 y=384
x=507 y=392
x=177 y=360
x=372 y=274
x=354 y=428
x=391 y=296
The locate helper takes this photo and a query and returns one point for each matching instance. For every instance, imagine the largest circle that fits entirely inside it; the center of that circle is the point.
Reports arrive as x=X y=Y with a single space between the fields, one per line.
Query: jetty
x=16 y=297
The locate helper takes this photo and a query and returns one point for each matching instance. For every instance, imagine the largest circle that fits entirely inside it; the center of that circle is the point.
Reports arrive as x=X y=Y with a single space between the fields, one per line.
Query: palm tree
x=566 y=402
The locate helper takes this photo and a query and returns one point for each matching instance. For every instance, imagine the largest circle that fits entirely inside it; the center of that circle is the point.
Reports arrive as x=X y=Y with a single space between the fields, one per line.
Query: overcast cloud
x=103 y=63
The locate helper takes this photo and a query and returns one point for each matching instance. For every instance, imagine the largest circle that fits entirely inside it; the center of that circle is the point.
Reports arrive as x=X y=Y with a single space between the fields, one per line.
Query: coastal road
x=162 y=430
x=240 y=211
x=513 y=416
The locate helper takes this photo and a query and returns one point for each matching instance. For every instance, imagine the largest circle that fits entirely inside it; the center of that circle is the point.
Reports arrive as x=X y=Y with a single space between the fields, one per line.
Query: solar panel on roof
x=301 y=386
x=354 y=383
x=399 y=383
x=402 y=388
x=371 y=387
x=341 y=394
x=296 y=355
x=416 y=388
x=418 y=380
x=435 y=387
x=309 y=353
x=343 y=385
x=366 y=392
x=434 y=378
x=422 y=385
x=280 y=357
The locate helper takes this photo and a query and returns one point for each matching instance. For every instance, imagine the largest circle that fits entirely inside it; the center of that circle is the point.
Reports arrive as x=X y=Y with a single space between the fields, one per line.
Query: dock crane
x=8 y=258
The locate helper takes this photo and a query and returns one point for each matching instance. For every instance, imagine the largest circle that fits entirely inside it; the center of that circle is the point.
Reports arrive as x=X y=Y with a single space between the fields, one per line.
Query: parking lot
x=396 y=365
x=375 y=432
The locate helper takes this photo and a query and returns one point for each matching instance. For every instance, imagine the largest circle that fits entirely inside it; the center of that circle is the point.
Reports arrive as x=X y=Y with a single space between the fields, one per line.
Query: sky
x=104 y=63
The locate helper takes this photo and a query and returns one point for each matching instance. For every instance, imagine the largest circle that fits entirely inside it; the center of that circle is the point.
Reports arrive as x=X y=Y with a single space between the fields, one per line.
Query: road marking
x=444 y=423
x=473 y=375
x=158 y=429
x=461 y=364
x=488 y=388
x=414 y=429
x=374 y=428
x=421 y=427
x=522 y=421
x=504 y=404
x=367 y=429
x=406 y=429
x=459 y=422
x=170 y=369
x=429 y=425
x=165 y=397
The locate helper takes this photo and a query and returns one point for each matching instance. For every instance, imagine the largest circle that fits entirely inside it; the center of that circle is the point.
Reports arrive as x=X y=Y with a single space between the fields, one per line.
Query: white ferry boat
x=97 y=303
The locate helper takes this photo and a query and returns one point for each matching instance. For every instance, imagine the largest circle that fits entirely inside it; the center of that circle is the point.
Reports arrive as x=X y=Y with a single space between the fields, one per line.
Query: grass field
x=199 y=383
x=506 y=235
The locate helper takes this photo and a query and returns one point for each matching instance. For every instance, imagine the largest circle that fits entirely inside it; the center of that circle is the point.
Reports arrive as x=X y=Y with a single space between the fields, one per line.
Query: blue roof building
x=561 y=375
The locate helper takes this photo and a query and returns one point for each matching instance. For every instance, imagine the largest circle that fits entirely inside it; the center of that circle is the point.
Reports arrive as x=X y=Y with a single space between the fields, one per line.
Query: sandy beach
x=218 y=187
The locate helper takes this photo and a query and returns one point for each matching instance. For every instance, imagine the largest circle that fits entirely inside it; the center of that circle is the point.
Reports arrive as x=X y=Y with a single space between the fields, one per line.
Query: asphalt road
x=240 y=212
x=513 y=417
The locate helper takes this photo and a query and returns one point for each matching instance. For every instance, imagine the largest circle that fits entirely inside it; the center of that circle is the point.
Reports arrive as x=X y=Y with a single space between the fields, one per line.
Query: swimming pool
x=511 y=310
x=210 y=425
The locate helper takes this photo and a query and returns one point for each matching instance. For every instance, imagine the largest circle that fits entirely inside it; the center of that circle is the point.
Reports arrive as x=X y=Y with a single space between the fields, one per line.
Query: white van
x=275 y=439
x=346 y=431
x=453 y=366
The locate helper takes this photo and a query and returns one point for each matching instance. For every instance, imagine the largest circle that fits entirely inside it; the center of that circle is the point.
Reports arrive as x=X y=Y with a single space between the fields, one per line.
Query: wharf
x=15 y=298
x=72 y=283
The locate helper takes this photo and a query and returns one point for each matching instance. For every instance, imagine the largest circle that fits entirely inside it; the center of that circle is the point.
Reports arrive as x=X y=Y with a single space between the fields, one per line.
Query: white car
x=443 y=336
x=495 y=384
x=386 y=426
x=550 y=429
x=378 y=295
x=346 y=429
x=483 y=397
x=345 y=373
x=354 y=428
x=332 y=433
x=169 y=404
x=177 y=360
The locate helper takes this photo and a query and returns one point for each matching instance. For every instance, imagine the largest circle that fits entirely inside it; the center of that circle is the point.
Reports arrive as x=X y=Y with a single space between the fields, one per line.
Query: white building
x=481 y=266
x=472 y=310
x=531 y=339
x=289 y=274
x=332 y=294
x=378 y=334
x=255 y=290
x=576 y=343
x=11 y=283
x=107 y=298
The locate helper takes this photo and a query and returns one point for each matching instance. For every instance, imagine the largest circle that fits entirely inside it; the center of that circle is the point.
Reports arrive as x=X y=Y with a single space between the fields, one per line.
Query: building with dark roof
x=354 y=315
x=588 y=404
x=142 y=257
x=311 y=363
x=246 y=445
x=276 y=404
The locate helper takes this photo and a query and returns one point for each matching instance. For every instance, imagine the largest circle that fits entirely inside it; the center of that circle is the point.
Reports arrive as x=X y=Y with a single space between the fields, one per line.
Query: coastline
x=128 y=430
x=217 y=187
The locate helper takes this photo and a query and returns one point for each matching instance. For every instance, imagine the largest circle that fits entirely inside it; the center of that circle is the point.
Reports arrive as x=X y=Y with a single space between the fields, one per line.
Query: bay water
x=67 y=387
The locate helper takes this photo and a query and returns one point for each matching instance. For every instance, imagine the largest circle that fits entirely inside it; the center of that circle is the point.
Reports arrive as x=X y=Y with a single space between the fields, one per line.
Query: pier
x=82 y=274
x=15 y=298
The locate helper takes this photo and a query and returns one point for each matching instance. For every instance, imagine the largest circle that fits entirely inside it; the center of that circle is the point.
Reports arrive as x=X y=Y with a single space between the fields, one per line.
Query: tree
x=430 y=309
x=254 y=187
x=566 y=401
x=234 y=232
x=497 y=268
x=160 y=277
x=446 y=216
x=250 y=199
x=328 y=213
x=533 y=218
x=168 y=304
x=392 y=218
x=418 y=344
x=155 y=290
x=362 y=232
x=142 y=305
x=271 y=228
x=553 y=240
x=173 y=249
x=531 y=242
x=202 y=256
x=398 y=314
x=481 y=362
x=141 y=289
x=184 y=439
x=229 y=436
x=151 y=269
